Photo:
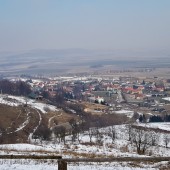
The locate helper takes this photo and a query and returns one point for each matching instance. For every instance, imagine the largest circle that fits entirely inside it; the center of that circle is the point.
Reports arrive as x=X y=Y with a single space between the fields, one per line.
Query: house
x=100 y=99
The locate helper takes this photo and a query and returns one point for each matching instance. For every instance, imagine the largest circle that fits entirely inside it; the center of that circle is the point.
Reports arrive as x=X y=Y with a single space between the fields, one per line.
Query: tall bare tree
x=166 y=139
x=143 y=139
x=112 y=133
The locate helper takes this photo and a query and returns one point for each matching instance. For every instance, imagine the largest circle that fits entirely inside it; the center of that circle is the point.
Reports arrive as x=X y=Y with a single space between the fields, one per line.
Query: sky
x=87 y=24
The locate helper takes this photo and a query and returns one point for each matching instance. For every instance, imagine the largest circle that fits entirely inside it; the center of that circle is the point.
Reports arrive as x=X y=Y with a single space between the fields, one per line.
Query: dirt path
x=36 y=127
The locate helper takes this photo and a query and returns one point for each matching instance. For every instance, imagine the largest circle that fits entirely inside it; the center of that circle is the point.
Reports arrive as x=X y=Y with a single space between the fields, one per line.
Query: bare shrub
x=143 y=139
x=166 y=139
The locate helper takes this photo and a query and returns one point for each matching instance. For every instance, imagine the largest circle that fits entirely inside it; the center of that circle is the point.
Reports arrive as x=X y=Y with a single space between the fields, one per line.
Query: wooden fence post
x=62 y=165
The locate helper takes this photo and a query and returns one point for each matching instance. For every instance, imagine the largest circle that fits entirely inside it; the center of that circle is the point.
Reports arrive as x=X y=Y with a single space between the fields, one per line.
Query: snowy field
x=128 y=113
x=160 y=125
x=52 y=165
x=73 y=167
x=17 y=100
x=120 y=148
x=18 y=148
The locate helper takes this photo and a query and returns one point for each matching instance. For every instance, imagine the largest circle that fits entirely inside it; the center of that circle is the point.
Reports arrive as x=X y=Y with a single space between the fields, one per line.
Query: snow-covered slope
x=17 y=100
x=120 y=147
x=158 y=125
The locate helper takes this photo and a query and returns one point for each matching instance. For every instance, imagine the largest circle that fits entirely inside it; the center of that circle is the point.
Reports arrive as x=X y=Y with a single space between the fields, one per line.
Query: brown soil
x=59 y=117
x=12 y=118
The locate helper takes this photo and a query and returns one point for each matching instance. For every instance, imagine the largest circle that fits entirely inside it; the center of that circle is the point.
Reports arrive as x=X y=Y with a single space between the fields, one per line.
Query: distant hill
x=66 y=60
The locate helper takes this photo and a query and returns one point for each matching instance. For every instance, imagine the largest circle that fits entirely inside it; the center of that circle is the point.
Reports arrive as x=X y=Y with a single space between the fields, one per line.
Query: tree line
x=154 y=118
x=142 y=140
x=18 y=88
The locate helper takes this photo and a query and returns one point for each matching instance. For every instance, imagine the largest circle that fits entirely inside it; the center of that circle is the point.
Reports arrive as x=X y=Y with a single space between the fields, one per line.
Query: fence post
x=62 y=165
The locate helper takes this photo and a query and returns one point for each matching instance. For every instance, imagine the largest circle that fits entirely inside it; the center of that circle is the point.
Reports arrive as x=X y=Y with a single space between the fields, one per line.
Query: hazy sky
x=89 y=24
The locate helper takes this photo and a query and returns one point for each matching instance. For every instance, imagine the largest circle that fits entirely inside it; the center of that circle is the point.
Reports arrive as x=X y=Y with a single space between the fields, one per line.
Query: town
x=148 y=96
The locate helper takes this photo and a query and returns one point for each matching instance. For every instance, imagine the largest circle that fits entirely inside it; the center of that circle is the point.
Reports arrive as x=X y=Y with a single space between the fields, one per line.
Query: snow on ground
x=71 y=110
x=52 y=165
x=31 y=134
x=25 y=147
x=128 y=113
x=17 y=100
x=27 y=165
x=160 y=125
x=49 y=165
x=9 y=103
x=120 y=147
x=108 y=166
x=166 y=98
x=23 y=124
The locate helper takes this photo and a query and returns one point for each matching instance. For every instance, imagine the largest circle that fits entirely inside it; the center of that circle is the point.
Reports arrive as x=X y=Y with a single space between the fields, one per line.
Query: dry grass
x=88 y=143
x=135 y=164
x=124 y=149
x=94 y=106
x=83 y=155
x=59 y=117
x=11 y=116
x=38 y=151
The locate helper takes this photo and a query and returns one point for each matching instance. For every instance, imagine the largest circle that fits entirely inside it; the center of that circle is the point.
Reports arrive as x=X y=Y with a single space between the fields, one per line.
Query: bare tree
x=99 y=138
x=112 y=133
x=76 y=128
x=78 y=136
x=129 y=128
x=98 y=135
x=60 y=133
x=73 y=135
x=43 y=133
x=141 y=139
x=91 y=133
x=154 y=138
x=2 y=135
x=166 y=139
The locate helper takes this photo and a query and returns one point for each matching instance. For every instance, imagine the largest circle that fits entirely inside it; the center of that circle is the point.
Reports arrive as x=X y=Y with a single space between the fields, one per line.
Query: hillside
x=26 y=121
x=121 y=147
x=23 y=119
x=17 y=123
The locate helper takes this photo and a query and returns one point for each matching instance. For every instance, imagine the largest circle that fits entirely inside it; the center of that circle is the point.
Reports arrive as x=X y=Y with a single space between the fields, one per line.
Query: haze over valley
x=80 y=60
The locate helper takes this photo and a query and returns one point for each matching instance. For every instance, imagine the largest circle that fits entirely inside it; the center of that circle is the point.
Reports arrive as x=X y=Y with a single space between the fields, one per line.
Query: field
x=75 y=61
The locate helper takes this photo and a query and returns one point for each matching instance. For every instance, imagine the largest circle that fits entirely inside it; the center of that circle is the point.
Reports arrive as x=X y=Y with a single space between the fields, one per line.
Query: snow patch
x=128 y=113
x=17 y=100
